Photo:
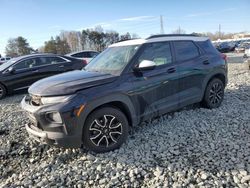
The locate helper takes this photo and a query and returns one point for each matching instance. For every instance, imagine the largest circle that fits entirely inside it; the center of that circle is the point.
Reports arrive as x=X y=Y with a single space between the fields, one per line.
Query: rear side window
x=93 y=54
x=83 y=55
x=185 y=50
x=80 y=55
x=50 y=60
x=207 y=46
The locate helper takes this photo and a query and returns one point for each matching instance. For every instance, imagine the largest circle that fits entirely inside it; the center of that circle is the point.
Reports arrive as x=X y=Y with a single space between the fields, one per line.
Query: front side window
x=113 y=60
x=185 y=50
x=159 y=52
x=28 y=63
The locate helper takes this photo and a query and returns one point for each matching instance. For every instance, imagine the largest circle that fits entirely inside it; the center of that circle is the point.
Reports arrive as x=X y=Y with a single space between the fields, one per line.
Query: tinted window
x=207 y=46
x=50 y=60
x=29 y=63
x=185 y=50
x=93 y=54
x=85 y=54
x=159 y=52
x=80 y=55
x=55 y=60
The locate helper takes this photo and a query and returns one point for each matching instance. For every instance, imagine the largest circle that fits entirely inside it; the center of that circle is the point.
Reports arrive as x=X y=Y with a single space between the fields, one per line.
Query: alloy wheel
x=216 y=93
x=105 y=131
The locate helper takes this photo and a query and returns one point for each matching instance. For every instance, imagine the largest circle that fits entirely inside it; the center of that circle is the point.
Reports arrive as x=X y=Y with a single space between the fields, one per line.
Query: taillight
x=84 y=62
x=224 y=57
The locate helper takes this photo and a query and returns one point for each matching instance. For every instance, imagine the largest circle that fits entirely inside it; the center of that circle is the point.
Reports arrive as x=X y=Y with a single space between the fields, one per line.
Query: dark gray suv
x=128 y=83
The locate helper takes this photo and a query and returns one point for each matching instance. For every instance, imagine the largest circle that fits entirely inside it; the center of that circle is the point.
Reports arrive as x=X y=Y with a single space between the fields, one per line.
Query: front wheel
x=106 y=129
x=214 y=94
x=2 y=91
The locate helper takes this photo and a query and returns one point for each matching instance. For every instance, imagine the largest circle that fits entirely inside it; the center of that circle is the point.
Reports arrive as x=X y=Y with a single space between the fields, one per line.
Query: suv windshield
x=113 y=60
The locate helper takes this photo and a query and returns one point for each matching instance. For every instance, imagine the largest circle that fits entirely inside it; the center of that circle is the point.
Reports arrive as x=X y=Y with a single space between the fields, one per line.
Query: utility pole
x=161 y=21
x=219 y=31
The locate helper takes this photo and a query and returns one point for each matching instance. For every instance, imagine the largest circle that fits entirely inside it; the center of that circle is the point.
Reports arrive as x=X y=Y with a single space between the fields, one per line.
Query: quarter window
x=185 y=50
x=159 y=52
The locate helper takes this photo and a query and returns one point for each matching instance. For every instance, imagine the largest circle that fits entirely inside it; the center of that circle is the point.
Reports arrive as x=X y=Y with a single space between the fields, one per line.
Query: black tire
x=2 y=91
x=214 y=94
x=112 y=127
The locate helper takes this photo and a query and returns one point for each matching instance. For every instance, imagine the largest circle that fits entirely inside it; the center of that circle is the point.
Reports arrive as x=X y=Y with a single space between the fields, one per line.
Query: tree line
x=69 y=41
x=88 y=39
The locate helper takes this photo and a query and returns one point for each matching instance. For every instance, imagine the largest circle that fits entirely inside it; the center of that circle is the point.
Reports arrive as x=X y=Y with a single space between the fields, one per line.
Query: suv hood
x=69 y=83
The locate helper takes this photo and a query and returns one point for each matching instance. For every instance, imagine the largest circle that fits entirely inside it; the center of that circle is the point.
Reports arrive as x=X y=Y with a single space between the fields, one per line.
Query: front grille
x=35 y=100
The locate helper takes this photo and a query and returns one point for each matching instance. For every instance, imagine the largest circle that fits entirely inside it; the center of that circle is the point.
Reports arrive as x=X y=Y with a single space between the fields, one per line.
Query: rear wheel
x=214 y=94
x=2 y=91
x=106 y=129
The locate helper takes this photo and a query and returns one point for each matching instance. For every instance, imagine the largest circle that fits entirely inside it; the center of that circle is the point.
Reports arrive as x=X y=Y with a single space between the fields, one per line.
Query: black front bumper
x=52 y=133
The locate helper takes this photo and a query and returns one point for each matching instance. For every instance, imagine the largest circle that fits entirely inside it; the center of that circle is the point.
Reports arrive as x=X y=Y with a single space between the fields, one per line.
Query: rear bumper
x=44 y=131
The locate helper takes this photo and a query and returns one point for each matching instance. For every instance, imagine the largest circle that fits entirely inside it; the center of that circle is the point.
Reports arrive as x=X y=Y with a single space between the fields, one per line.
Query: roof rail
x=173 y=35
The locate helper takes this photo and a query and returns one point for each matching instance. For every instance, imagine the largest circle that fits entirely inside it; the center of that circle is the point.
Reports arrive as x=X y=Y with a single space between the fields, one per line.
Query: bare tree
x=179 y=30
x=73 y=38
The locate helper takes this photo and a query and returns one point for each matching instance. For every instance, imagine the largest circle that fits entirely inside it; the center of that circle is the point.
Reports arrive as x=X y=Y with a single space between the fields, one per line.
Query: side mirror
x=145 y=65
x=11 y=70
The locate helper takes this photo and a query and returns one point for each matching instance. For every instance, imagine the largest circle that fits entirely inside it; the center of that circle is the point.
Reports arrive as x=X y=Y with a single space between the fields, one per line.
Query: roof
x=34 y=55
x=72 y=53
x=159 y=38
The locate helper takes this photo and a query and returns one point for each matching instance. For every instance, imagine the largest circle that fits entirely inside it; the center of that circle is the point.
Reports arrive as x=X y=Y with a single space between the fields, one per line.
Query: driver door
x=25 y=73
x=155 y=91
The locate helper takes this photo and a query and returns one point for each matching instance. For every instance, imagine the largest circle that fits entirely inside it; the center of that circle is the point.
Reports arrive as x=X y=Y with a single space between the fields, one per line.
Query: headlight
x=52 y=100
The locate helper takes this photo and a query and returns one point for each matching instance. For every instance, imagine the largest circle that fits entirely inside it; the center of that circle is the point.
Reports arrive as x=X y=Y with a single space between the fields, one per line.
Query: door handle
x=35 y=71
x=61 y=66
x=171 y=70
x=206 y=62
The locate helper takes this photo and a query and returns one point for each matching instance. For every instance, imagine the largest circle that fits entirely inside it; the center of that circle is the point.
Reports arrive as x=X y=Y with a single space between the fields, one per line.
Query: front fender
x=95 y=103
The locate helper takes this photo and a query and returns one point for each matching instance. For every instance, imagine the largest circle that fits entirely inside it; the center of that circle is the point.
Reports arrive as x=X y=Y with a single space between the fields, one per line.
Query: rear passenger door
x=190 y=64
x=53 y=65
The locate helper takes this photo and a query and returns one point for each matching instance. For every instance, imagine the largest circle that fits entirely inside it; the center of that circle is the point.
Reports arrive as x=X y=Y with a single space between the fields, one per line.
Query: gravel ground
x=193 y=147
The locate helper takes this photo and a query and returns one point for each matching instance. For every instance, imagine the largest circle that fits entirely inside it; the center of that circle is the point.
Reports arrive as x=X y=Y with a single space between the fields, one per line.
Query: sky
x=38 y=20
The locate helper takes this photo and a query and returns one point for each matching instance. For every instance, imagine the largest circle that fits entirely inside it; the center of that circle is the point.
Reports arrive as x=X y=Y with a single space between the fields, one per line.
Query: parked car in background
x=247 y=52
x=84 y=55
x=130 y=82
x=4 y=60
x=19 y=73
x=225 y=47
x=242 y=46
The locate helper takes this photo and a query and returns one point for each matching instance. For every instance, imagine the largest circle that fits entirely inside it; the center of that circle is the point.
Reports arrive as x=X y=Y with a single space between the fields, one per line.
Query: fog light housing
x=54 y=117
